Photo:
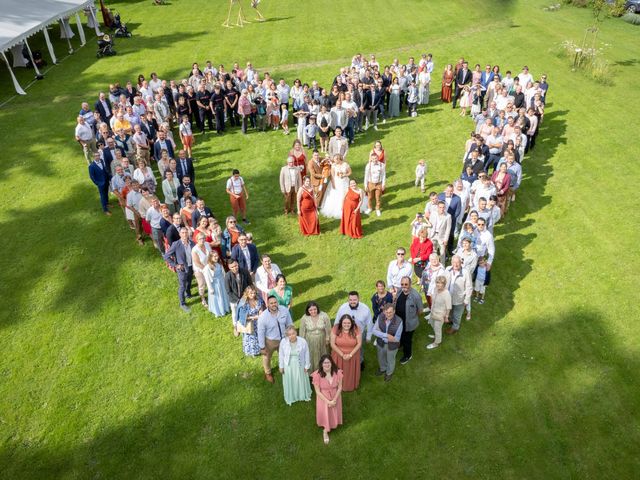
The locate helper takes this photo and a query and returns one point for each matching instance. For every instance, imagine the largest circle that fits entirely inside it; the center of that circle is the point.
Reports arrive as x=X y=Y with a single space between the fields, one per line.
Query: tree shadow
x=379 y=224
x=539 y=396
x=75 y=240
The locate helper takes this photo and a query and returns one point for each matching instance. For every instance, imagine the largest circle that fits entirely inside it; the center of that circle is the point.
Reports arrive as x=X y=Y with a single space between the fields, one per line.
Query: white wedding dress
x=334 y=197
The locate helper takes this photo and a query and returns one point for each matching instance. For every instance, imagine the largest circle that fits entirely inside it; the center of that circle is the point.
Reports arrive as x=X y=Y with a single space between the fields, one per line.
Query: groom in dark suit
x=463 y=77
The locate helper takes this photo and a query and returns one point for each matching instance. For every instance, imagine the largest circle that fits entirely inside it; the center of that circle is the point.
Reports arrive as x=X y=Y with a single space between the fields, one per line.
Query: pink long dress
x=328 y=417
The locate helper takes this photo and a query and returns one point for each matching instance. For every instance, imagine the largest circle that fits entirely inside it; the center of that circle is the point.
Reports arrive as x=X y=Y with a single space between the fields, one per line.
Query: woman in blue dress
x=250 y=307
x=214 y=276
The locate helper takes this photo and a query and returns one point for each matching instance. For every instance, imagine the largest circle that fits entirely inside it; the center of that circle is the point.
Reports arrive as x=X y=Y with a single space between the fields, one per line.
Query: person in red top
x=299 y=157
x=502 y=180
x=308 y=209
x=379 y=151
x=351 y=223
x=421 y=248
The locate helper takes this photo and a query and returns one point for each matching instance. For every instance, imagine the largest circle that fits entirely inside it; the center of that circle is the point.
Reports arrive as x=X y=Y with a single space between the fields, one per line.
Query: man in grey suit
x=290 y=183
x=440 y=228
x=179 y=257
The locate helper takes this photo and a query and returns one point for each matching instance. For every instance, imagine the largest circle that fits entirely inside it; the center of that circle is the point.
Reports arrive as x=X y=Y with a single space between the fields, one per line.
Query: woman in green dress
x=293 y=356
x=315 y=328
x=282 y=292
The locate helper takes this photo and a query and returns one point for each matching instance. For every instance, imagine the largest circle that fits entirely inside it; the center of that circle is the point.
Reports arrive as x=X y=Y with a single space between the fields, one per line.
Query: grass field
x=102 y=376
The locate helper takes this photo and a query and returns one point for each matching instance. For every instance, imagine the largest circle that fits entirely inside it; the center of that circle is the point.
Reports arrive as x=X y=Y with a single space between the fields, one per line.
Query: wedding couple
x=338 y=186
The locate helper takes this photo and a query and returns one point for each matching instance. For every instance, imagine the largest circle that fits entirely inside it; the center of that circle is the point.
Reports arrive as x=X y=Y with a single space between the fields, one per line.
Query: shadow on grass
x=540 y=397
x=74 y=230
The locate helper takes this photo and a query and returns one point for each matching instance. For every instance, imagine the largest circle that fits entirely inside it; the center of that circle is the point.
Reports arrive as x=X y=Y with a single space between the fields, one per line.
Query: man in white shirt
x=132 y=212
x=338 y=116
x=396 y=270
x=86 y=139
x=250 y=74
x=485 y=246
x=525 y=77
x=141 y=142
x=154 y=216
x=237 y=191
x=283 y=92
x=154 y=83
x=361 y=314
x=431 y=208
x=352 y=115
x=494 y=142
x=375 y=177
x=272 y=324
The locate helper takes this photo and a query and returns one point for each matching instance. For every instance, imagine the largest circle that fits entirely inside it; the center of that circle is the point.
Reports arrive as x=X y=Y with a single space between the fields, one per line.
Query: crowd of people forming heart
x=145 y=119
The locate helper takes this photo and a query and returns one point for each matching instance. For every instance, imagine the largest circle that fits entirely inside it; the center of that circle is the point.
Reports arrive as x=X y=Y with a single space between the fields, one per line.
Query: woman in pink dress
x=327 y=381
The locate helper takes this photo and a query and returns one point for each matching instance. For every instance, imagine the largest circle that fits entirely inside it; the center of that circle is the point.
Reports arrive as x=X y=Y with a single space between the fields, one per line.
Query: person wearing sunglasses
x=397 y=269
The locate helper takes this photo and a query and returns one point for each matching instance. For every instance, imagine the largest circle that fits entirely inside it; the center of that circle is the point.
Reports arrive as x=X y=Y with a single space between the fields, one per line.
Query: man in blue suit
x=179 y=257
x=100 y=176
x=103 y=106
x=109 y=152
x=162 y=144
x=246 y=254
x=184 y=167
x=454 y=205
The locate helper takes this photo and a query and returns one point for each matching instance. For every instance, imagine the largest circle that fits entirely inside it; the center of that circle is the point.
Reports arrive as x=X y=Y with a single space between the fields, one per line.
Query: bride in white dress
x=334 y=198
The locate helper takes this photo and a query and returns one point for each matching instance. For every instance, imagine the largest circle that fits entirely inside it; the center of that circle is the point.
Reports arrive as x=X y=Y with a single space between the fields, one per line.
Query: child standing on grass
x=421 y=173
x=273 y=112
x=186 y=135
x=481 y=280
x=310 y=132
x=465 y=101
x=418 y=224
x=412 y=99
x=284 y=118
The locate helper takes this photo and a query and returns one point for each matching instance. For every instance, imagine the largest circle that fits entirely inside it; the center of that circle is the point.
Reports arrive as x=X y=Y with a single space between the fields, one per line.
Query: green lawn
x=102 y=376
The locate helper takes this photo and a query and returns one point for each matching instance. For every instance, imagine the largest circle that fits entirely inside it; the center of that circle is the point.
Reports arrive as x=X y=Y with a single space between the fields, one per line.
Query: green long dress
x=295 y=381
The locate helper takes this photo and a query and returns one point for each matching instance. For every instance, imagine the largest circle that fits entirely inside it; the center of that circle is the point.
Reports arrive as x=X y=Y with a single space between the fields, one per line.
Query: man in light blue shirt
x=272 y=324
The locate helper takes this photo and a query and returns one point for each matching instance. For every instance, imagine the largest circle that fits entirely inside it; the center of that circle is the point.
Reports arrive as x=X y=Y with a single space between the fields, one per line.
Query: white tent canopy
x=21 y=19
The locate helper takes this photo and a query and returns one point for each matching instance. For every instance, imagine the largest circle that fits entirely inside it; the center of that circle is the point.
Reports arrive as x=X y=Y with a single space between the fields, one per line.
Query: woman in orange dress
x=379 y=151
x=299 y=157
x=346 y=342
x=351 y=223
x=308 y=209
x=447 y=81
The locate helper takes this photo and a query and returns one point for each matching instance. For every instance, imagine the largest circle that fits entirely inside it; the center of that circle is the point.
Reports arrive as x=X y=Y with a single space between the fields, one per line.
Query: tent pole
x=80 y=30
x=16 y=85
x=39 y=76
x=96 y=25
x=50 y=46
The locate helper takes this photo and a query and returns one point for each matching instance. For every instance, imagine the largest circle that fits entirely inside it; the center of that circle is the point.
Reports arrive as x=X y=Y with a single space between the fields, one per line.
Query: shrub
x=577 y=3
x=632 y=18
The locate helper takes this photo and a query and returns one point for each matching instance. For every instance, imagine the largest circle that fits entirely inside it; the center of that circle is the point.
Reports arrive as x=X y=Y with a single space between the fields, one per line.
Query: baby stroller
x=120 y=29
x=105 y=47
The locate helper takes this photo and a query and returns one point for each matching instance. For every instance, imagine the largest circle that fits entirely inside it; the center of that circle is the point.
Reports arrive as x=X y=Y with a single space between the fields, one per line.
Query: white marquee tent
x=21 y=19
